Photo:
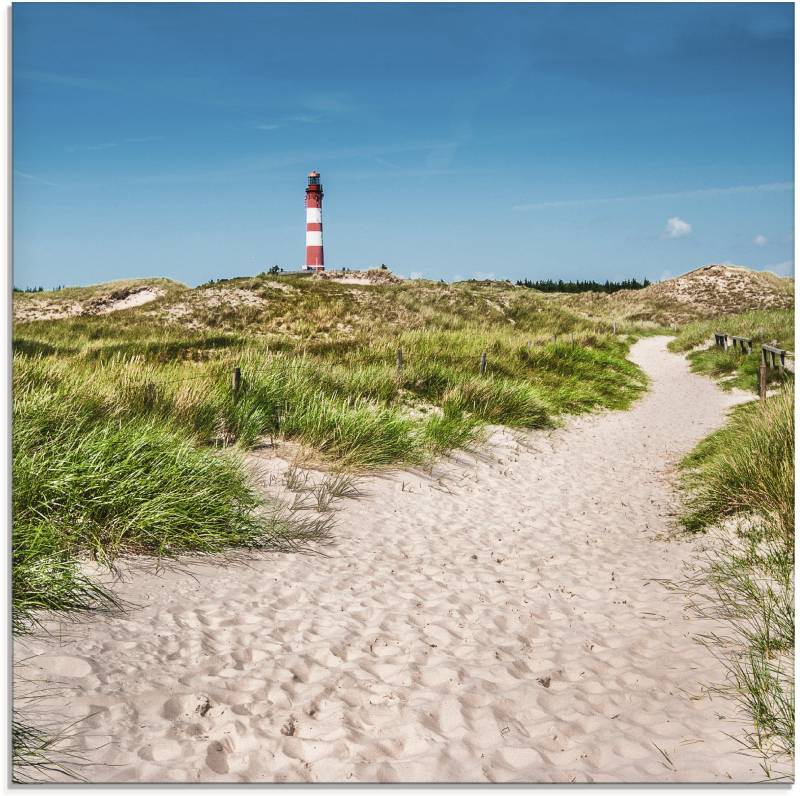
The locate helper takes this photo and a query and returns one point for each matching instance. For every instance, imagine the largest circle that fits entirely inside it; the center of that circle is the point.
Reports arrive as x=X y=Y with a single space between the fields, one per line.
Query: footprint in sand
x=64 y=665
x=160 y=752
x=185 y=706
x=217 y=757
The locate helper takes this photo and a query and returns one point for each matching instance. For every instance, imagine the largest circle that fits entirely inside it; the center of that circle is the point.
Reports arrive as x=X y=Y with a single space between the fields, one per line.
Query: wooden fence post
x=399 y=362
x=615 y=327
x=762 y=381
x=237 y=382
x=483 y=363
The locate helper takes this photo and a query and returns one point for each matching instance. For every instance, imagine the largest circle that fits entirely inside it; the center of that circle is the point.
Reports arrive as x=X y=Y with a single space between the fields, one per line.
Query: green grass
x=742 y=478
x=89 y=481
x=731 y=367
x=745 y=468
x=32 y=756
x=117 y=418
x=117 y=488
x=762 y=325
x=348 y=403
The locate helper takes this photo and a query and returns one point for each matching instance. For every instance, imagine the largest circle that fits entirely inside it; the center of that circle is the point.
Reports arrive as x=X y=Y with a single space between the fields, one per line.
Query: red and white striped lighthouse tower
x=315 y=260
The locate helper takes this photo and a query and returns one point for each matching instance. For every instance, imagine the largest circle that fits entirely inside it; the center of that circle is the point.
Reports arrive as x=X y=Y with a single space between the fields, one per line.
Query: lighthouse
x=315 y=261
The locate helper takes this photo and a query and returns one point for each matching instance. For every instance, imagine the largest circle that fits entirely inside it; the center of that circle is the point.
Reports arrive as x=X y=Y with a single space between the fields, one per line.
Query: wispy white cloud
x=677 y=228
x=700 y=192
x=488 y=275
x=112 y=144
x=760 y=240
x=417 y=275
x=267 y=126
x=34 y=178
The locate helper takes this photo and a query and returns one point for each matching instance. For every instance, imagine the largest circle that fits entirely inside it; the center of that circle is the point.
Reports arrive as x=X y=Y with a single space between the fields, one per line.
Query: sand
x=352 y=280
x=40 y=309
x=496 y=620
x=143 y=296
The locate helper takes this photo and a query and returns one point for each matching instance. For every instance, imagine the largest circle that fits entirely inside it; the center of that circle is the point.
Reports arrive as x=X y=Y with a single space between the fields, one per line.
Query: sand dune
x=55 y=307
x=498 y=619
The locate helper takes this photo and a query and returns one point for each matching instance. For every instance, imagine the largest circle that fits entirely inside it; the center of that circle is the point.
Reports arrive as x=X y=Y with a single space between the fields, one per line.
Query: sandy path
x=495 y=621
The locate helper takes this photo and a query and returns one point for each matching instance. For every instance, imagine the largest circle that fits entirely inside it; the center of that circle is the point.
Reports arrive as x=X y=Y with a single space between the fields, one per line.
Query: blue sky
x=563 y=141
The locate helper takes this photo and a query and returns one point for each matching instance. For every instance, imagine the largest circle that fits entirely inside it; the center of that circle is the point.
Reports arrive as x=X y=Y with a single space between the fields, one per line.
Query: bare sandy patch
x=135 y=299
x=230 y=296
x=372 y=276
x=45 y=310
x=275 y=285
x=352 y=280
x=39 y=309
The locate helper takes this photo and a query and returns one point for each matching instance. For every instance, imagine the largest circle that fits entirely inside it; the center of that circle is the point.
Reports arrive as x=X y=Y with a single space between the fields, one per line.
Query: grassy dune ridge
x=89 y=483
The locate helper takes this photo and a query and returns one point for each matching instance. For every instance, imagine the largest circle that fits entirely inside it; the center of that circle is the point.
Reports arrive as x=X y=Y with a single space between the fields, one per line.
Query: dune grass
x=89 y=485
x=747 y=467
x=732 y=367
x=742 y=479
x=348 y=403
x=761 y=325
x=33 y=757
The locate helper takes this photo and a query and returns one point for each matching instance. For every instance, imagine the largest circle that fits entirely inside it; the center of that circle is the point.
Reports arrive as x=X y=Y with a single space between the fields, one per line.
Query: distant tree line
x=583 y=285
x=34 y=289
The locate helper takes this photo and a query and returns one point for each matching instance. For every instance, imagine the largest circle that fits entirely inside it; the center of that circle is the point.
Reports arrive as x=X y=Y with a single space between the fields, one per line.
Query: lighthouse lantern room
x=315 y=260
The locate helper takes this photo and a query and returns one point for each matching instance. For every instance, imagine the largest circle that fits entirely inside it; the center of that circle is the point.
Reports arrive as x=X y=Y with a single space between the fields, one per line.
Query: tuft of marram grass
x=745 y=468
x=33 y=759
x=84 y=486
